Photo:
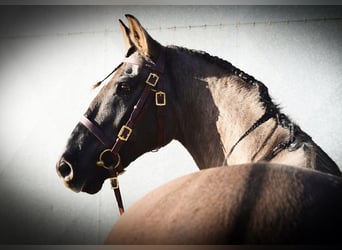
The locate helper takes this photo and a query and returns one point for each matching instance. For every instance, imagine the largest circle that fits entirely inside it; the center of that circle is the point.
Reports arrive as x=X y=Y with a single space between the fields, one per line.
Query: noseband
x=153 y=84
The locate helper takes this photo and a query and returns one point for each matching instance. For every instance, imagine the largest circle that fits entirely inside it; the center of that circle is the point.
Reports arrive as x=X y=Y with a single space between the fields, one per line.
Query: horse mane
x=249 y=80
x=204 y=55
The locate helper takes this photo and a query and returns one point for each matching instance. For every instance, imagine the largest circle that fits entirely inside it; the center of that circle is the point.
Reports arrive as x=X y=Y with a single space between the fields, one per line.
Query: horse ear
x=125 y=32
x=142 y=40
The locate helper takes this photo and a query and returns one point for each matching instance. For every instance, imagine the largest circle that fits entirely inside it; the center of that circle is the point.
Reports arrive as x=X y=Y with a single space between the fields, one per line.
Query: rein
x=271 y=111
x=153 y=85
x=282 y=121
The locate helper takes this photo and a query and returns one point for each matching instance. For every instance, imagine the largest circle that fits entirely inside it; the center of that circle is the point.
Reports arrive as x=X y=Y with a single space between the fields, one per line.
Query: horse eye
x=124 y=87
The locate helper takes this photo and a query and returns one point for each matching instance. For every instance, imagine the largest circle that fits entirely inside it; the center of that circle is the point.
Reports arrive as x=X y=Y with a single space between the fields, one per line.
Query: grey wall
x=49 y=57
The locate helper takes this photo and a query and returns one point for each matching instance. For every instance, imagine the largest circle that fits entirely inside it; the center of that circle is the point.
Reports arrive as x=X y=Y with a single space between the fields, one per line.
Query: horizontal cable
x=250 y=23
x=182 y=27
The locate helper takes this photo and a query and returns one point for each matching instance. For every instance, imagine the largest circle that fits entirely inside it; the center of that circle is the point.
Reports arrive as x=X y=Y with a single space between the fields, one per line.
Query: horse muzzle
x=66 y=172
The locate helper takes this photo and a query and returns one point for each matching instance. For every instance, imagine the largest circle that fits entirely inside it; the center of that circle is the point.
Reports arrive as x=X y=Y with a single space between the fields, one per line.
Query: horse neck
x=215 y=109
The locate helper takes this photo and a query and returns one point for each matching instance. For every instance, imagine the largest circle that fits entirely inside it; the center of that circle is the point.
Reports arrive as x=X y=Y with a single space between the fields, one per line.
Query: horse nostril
x=64 y=169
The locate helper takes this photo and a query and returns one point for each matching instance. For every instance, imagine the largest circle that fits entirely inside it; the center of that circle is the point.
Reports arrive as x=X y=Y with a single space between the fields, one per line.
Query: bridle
x=153 y=84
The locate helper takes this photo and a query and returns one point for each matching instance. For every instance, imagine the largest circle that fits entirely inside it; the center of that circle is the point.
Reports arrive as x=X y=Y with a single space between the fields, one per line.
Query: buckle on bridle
x=152 y=79
x=101 y=163
x=124 y=133
x=114 y=182
x=160 y=98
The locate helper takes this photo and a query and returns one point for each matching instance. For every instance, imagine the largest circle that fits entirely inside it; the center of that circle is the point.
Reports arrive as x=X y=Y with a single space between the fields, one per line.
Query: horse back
x=251 y=203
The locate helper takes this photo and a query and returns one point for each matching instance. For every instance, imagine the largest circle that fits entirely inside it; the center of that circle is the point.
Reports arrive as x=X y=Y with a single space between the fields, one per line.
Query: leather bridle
x=153 y=84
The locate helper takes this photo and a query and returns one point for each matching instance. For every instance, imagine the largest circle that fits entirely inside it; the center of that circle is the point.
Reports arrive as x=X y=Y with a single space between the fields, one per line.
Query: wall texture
x=49 y=57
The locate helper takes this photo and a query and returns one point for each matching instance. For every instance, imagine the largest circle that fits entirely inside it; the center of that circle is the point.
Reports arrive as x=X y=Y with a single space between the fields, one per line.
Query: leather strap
x=153 y=85
x=138 y=110
x=95 y=131
x=116 y=188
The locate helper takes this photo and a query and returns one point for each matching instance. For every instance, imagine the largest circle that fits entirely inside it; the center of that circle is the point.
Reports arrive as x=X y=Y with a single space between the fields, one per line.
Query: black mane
x=265 y=98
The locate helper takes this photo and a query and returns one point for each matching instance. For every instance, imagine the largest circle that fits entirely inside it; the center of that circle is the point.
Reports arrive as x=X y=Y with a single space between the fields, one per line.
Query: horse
x=223 y=117
x=157 y=94
x=256 y=203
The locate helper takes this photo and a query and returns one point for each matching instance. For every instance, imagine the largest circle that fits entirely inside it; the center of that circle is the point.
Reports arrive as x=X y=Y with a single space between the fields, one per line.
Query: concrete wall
x=49 y=57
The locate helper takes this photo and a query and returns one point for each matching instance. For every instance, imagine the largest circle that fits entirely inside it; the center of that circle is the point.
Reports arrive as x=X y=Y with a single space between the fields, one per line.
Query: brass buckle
x=160 y=98
x=101 y=163
x=124 y=133
x=114 y=182
x=152 y=79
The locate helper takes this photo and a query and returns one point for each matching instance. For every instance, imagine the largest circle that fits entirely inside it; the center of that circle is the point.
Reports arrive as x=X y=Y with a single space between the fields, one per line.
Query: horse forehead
x=136 y=58
x=133 y=69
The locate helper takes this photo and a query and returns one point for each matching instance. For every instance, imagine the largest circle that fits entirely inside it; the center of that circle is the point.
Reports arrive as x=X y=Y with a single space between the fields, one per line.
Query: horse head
x=130 y=115
x=220 y=114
